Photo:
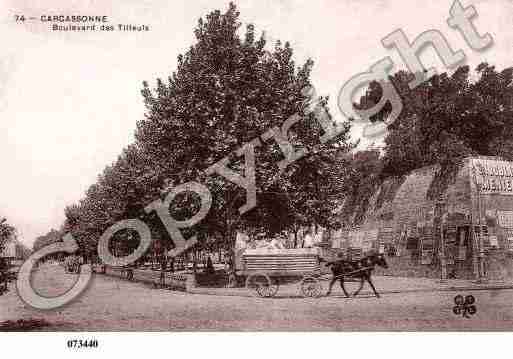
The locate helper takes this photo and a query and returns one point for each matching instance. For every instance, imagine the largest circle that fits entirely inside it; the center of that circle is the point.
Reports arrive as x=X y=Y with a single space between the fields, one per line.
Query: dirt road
x=111 y=304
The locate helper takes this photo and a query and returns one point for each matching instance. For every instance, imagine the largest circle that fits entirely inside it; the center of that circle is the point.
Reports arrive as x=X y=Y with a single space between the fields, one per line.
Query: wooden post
x=481 y=242
x=478 y=245
x=443 y=261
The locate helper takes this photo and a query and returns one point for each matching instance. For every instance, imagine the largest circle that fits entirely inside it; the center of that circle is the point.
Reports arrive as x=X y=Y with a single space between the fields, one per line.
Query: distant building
x=14 y=250
x=9 y=249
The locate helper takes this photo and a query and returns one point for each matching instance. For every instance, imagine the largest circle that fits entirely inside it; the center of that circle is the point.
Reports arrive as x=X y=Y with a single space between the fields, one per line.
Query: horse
x=361 y=268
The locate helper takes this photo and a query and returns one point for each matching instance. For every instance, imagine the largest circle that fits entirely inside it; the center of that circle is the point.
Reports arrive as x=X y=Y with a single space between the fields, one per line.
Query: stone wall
x=405 y=210
x=408 y=267
x=499 y=265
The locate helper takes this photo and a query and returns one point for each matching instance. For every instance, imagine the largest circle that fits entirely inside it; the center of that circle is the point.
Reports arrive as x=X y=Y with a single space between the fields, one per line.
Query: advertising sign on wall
x=386 y=235
x=505 y=219
x=426 y=257
x=450 y=234
x=494 y=242
x=355 y=239
x=363 y=239
x=493 y=176
x=462 y=253
x=451 y=253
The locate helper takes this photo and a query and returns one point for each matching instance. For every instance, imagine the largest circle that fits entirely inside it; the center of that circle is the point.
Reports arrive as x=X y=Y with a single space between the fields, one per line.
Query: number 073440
x=82 y=343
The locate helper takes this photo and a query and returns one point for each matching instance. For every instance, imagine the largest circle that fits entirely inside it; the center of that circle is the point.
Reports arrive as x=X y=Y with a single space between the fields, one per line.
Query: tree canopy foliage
x=51 y=237
x=447 y=117
x=228 y=89
x=443 y=120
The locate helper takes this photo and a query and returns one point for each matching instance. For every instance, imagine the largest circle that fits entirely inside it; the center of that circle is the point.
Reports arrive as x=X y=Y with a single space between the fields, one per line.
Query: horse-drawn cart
x=265 y=269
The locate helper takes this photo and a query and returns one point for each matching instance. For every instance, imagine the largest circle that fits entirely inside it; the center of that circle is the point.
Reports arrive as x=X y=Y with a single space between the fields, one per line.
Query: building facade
x=9 y=250
x=434 y=224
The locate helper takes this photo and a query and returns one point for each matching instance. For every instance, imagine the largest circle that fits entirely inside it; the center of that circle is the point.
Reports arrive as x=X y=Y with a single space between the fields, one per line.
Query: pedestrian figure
x=210 y=266
x=163 y=265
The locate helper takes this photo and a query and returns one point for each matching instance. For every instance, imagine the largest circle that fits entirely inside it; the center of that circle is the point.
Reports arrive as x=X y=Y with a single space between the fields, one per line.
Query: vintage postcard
x=263 y=166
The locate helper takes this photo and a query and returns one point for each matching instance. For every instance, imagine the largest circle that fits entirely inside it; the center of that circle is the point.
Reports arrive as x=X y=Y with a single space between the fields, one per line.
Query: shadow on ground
x=23 y=325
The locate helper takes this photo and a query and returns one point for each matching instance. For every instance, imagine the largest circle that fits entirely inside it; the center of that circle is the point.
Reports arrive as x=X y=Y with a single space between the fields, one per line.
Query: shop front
x=492 y=199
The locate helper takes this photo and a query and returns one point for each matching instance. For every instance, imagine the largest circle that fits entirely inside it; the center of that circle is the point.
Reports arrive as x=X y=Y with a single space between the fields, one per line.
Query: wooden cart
x=265 y=269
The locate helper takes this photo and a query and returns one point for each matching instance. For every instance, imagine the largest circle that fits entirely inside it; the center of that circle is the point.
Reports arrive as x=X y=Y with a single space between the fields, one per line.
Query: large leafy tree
x=361 y=182
x=226 y=92
x=443 y=120
x=446 y=118
x=51 y=237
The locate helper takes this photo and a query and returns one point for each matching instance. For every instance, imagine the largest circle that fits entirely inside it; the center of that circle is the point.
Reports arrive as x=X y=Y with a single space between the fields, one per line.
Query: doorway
x=464 y=253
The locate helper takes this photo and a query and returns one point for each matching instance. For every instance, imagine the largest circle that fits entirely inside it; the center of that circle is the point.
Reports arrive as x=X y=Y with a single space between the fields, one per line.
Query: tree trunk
x=232 y=278
x=163 y=265
x=195 y=261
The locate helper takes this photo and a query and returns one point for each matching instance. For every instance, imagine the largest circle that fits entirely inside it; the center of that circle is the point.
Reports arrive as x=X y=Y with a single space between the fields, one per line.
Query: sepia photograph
x=255 y=166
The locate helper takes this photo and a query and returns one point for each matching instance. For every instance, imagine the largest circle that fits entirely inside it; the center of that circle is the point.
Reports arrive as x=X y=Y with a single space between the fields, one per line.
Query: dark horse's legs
x=368 y=279
x=333 y=280
x=372 y=286
x=343 y=287
x=359 y=289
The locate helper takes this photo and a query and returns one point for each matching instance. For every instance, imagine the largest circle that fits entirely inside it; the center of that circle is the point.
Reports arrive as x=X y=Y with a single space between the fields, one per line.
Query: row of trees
x=227 y=90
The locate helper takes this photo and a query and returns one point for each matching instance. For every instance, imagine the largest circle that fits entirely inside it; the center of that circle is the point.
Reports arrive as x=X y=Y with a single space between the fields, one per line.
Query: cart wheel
x=311 y=287
x=261 y=284
x=272 y=289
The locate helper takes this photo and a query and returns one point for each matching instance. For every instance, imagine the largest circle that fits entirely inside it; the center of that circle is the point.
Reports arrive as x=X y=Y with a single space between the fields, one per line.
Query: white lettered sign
x=493 y=176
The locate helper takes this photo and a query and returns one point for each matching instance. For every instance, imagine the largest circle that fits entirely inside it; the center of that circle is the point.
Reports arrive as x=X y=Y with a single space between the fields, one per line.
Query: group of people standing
x=303 y=239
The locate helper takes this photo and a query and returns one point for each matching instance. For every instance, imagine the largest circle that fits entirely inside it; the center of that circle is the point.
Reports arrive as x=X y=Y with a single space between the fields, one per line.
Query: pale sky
x=69 y=102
